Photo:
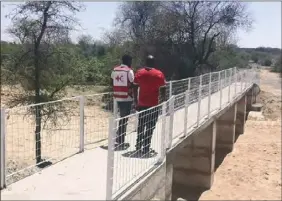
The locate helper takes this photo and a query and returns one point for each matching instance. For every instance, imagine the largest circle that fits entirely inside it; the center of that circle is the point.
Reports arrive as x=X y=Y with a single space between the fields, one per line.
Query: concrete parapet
x=193 y=165
x=225 y=129
x=241 y=116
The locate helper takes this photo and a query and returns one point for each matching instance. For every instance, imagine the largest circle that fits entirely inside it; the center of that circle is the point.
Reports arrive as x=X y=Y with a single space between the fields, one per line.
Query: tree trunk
x=38 y=135
x=38 y=114
x=37 y=110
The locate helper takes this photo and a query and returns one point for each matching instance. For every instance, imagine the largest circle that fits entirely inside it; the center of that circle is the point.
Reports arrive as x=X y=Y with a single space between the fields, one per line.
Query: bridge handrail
x=228 y=80
x=85 y=122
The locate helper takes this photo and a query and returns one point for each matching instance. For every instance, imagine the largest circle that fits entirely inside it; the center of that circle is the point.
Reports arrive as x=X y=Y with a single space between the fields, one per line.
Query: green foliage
x=229 y=57
x=277 y=66
x=267 y=62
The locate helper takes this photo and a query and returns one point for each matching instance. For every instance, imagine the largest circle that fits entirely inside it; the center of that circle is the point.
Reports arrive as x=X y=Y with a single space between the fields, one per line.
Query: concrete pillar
x=225 y=129
x=241 y=116
x=193 y=165
x=168 y=181
x=250 y=99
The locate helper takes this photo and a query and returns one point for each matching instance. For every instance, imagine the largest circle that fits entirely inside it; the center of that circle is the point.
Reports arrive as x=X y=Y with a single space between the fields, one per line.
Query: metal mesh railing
x=71 y=125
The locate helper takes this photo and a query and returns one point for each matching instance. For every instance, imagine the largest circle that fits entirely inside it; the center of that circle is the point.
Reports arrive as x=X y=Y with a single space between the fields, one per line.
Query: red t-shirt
x=149 y=80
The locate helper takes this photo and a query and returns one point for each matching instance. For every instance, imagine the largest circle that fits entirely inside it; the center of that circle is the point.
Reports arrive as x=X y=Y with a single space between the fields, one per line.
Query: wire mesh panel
x=179 y=86
x=194 y=89
x=178 y=115
x=204 y=100
x=136 y=152
x=98 y=108
x=39 y=135
x=192 y=108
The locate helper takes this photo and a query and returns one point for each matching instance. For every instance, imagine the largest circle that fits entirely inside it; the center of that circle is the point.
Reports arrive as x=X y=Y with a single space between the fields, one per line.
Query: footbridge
x=198 y=121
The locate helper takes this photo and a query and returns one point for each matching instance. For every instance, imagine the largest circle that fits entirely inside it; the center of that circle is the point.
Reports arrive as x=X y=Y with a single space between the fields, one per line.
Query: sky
x=98 y=17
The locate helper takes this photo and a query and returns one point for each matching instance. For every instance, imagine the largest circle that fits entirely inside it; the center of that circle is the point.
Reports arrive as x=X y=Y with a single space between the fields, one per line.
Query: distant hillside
x=268 y=50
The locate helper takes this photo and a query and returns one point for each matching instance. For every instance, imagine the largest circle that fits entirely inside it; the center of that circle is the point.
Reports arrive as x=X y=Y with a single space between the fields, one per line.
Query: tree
x=277 y=66
x=267 y=62
x=43 y=64
x=184 y=34
x=255 y=57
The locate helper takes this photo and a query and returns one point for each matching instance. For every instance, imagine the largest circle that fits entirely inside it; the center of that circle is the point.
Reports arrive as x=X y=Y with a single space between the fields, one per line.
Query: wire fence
x=39 y=135
x=36 y=136
x=147 y=142
x=190 y=103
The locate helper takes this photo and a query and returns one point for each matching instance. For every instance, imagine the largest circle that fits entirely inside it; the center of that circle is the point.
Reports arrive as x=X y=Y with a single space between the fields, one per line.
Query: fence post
x=229 y=85
x=3 y=148
x=209 y=98
x=170 y=89
x=110 y=159
x=81 y=108
x=220 y=95
x=241 y=80
x=163 y=135
x=115 y=108
x=186 y=113
x=235 y=80
x=171 y=114
x=199 y=101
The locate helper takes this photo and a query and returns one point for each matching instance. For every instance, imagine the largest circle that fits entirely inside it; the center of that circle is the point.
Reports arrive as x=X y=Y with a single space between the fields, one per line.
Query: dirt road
x=253 y=170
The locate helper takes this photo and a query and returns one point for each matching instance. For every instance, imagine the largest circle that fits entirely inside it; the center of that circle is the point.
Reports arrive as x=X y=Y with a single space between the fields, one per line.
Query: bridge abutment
x=225 y=129
x=241 y=116
x=193 y=165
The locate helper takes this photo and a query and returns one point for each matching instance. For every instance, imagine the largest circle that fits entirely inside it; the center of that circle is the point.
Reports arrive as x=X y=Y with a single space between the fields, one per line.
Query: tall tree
x=43 y=64
x=184 y=34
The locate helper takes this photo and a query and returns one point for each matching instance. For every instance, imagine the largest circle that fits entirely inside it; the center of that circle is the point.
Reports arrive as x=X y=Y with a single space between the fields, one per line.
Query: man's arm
x=135 y=88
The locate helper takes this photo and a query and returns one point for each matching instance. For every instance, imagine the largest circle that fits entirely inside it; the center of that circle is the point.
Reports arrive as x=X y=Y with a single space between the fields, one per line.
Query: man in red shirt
x=149 y=80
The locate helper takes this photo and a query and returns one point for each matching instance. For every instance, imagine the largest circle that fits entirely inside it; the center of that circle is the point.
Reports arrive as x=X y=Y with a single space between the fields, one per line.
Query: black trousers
x=147 y=120
x=124 y=110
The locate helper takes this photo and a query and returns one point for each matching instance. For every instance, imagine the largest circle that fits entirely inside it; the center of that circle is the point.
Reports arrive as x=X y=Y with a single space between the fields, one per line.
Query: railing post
x=241 y=80
x=186 y=113
x=81 y=106
x=115 y=111
x=171 y=117
x=235 y=80
x=229 y=85
x=3 y=148
x=209 y=98
x=163 y=136
x=220 y=95
x=199 y=101
x=225 y=72
x=245 y=82
x=110 y=159
x=170 y=89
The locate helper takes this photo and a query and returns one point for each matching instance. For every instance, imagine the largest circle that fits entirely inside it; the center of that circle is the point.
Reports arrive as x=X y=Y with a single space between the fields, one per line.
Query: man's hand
x=135 y=106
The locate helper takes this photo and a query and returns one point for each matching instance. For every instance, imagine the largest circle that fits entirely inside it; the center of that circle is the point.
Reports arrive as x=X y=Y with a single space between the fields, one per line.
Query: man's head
x=126 y=60
x=150 y=61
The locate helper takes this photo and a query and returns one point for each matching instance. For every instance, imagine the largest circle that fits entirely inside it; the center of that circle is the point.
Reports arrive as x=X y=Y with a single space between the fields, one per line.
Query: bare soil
x=253 y=170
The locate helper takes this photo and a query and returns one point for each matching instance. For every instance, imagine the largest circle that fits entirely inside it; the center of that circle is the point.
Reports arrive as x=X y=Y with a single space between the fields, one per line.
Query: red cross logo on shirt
x=119 y=78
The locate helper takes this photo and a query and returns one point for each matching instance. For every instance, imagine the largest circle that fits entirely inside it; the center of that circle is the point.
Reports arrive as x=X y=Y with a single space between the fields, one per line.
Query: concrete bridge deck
x=83 y=176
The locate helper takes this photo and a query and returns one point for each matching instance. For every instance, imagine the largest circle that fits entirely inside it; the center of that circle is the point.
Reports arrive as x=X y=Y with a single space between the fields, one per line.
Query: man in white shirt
x=123 y=78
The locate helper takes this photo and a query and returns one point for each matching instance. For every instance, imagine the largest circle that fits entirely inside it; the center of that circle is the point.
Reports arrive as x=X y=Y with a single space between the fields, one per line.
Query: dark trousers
x=147 y=120
x=124 y=110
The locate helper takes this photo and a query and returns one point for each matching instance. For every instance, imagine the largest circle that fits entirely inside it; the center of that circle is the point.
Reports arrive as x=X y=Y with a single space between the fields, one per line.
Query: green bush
x=267 y=62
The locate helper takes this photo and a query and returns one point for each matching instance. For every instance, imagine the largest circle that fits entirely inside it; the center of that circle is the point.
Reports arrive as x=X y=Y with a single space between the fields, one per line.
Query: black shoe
x=121 y=146
x=148 y=153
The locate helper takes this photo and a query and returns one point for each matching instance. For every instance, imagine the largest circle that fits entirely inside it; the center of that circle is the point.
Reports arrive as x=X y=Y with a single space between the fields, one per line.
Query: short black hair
x=150 y=61
x=126 y=60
